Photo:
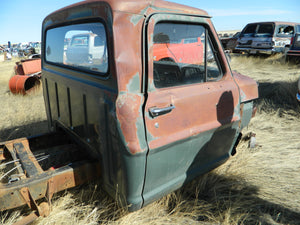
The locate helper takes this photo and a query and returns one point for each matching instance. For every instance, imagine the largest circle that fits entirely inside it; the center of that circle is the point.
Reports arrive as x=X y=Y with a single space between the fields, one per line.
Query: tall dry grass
x=257 y=186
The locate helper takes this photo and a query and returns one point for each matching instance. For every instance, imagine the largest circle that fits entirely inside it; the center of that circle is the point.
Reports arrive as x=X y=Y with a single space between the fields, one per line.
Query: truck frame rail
x=33 y=169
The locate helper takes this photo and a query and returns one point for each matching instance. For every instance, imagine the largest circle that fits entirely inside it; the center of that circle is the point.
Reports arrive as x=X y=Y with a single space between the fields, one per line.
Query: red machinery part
x=22 y=84
x=28 y=66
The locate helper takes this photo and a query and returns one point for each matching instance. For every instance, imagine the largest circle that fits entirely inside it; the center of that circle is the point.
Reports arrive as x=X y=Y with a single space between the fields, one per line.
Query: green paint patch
x=134 y=84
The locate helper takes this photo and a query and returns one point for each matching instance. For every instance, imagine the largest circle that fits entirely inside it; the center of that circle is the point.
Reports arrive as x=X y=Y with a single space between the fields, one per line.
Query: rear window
x=81 y=46
x=265 y=30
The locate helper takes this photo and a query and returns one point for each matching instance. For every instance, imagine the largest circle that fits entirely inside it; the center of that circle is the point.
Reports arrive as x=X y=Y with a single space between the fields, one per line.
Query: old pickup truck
x=145 y=126
x=266 y=37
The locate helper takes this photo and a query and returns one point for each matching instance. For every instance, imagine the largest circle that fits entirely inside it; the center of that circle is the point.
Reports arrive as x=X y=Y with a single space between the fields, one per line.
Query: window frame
x=278 y=26
x=208 y=40
x=259 y=33
x=244 y=34
x=81 y=69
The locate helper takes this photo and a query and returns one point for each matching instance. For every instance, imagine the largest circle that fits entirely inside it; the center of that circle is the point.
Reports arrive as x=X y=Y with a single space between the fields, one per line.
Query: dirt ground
x=258 y=185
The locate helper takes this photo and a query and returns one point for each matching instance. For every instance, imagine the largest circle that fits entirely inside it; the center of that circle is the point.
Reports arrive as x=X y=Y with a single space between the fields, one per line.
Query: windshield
x=266 y=30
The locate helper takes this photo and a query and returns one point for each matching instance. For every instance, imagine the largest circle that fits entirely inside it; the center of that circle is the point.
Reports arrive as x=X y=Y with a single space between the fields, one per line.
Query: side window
x=183 y=54
x=98 y=41
x=250 y=30
x=213 y=71
x=285 y=31
x=82 y=46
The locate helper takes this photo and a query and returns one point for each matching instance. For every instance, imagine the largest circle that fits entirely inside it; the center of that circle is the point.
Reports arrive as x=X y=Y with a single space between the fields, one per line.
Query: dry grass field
x=258 y=185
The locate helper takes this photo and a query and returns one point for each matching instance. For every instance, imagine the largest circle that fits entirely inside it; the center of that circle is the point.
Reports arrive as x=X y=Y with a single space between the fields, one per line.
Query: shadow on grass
x=280 y=95
x=210 y=199
x=229 y=200
x=24 y=130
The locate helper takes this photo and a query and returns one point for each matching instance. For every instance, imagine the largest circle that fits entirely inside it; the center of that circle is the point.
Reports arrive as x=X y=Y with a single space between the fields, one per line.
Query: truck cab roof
x=142 y=7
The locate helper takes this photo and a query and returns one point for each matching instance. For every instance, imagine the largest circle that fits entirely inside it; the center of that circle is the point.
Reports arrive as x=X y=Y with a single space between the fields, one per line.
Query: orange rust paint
x=11 y=198
x=219 y=102
x=128 y=58
x=22 y=84
x=254 y=112
x=189 y=119
x=185 y=52
x=147 y=7
x=31 y=157
x=248 y=87
x=128 y=113
x=24 y=81
x=26 y=67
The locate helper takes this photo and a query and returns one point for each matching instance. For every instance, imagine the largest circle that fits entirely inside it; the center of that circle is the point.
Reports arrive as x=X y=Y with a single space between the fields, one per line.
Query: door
x=192 y=109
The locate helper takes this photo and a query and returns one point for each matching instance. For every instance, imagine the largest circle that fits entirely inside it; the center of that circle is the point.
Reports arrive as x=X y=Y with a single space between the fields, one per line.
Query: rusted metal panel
x=248 y=87
x=191 y=121
x=39 y=179
x=129 y=108
x=203 y=99
x=27 y=76
x=29 y=162
x=22 y=84
x=144 y=7
x=29 y=66
x=61 y=179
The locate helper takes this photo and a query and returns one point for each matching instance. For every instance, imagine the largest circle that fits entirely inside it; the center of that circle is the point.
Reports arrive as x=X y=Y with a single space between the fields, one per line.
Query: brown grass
x=20 y=115
x=256 y=186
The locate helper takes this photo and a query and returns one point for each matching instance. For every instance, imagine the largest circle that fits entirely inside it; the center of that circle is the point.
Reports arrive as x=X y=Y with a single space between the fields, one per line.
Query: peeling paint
x=128 y=110
x=248 y=87
x=134 y=84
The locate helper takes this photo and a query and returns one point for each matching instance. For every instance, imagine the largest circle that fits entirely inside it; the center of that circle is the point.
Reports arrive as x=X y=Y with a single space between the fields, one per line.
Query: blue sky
x=20 y=20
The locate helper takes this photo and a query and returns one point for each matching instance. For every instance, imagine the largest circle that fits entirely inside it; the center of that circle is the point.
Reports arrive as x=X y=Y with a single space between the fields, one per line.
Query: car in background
x=229 y=43
x=87 y=49
x=189 y=50
x=266 y=37
x=293 y=52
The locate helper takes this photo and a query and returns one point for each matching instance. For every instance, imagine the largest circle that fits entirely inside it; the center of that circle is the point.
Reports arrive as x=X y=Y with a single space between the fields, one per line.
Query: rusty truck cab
x=153 y=124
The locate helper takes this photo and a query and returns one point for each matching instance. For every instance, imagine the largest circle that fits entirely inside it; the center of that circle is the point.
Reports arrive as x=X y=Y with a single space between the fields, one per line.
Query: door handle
x=154 y=111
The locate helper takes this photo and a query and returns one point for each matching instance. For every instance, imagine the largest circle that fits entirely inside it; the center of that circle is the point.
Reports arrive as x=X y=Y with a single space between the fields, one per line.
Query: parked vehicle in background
x=189 y=50
x=229 y=43
x=87 y=49
x=266 y=37
x=293 y=52
x=36 y=46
